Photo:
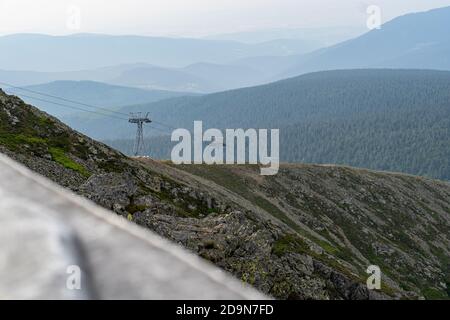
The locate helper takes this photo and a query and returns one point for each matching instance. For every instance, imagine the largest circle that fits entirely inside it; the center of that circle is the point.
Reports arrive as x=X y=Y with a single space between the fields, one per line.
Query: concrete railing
x=57 y=245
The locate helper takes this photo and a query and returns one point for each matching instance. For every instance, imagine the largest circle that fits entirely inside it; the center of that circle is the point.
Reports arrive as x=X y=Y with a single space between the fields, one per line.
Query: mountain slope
x=360 y=216
x=394 y=120
x=418 y=41
x=308 y=233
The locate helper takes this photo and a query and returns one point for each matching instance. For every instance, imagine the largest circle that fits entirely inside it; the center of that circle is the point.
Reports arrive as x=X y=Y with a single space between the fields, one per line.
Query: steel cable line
x=79 y=103
x=90 y=111
x=160 y=130
x=164 y=125
x=63 y=99
x=73 y=107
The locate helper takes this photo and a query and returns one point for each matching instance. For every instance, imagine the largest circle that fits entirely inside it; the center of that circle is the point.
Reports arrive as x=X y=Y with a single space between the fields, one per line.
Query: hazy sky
x=192 y=17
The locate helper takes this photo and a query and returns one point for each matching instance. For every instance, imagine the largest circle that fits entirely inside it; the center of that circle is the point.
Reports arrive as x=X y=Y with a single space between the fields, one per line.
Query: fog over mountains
x=311 y=37
x=418 y=41
x=87 y=51
x=315 y=111
x=196 y=78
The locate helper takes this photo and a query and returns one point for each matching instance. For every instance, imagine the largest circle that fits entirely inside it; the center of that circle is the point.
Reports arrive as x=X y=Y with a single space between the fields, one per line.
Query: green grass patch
x=289 y=243
x=434 y=294
x=60 y=157
x=133 y=208
x=15 y=141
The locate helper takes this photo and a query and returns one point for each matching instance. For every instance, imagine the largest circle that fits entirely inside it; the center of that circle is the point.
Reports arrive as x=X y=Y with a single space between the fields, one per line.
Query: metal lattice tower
x=139 y=141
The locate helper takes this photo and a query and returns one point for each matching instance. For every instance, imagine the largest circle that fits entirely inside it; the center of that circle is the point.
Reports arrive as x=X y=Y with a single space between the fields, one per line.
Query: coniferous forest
x=394 y=120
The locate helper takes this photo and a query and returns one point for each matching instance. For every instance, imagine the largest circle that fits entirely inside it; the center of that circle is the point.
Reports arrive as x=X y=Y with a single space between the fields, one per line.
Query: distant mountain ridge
x=37 y=52
x=413 y=41
x=417 y=41
x=199 y=77
x=194 y=78
x=312 y=37
x=397 y=120
x=27 y=78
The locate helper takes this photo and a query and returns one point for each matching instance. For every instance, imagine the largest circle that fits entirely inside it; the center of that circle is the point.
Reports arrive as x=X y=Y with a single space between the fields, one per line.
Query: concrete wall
x=48 y=234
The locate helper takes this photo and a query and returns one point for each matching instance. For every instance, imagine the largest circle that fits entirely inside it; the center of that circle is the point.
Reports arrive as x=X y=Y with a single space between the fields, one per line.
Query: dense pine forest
x=395 y=120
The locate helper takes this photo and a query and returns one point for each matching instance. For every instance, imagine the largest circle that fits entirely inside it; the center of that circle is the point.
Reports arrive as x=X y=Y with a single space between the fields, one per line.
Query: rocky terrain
x=309 y=232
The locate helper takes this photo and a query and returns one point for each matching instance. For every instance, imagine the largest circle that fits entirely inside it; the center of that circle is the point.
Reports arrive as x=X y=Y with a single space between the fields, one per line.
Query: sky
x=192 y=18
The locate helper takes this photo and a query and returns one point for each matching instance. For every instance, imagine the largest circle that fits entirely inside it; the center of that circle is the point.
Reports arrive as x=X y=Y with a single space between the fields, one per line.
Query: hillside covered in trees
x=395 y=120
